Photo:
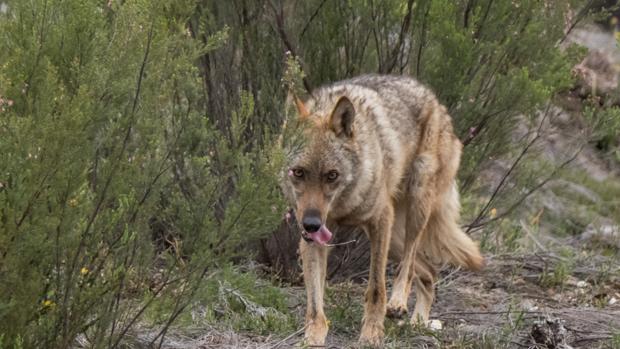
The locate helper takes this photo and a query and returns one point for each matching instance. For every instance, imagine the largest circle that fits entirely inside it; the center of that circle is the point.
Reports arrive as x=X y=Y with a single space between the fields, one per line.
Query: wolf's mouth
x=321 y=236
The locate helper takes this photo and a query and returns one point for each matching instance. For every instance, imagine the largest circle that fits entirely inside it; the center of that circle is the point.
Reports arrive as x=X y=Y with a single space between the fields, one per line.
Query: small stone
x=435 y=325
x=528 y=305
x=582 y=284
x=612 y=301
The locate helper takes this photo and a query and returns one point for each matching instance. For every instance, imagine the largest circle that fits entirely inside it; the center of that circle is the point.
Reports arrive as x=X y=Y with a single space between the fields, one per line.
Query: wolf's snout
x=311 y=222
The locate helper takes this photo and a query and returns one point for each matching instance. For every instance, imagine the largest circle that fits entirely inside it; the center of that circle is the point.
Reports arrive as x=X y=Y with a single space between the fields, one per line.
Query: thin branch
x=529 y=192
x=279 y=17
x=467 y=12
x=374 y=16
x=361 y=56
x=483 y=20
x=580 y=16
x=299 y=331
x=316 y=12
x=175 y=313
x=592 y=339
x=485 y=119
x=501 y=312
x=500 y=186
x=138 y=314
x=422 y=41
x=404 y=29
x=32 y=199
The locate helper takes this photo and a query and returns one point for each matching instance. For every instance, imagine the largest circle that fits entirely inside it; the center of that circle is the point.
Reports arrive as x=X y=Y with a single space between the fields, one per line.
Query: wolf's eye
x=331 y=176
x=298 y=172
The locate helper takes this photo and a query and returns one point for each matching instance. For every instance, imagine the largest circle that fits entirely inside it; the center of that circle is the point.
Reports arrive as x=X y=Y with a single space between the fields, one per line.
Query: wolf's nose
x=311 y=224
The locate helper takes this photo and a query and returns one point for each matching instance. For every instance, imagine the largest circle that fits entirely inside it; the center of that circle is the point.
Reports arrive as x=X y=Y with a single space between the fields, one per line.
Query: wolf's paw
x=372 y=335
x=396 y=311
x=316 y=332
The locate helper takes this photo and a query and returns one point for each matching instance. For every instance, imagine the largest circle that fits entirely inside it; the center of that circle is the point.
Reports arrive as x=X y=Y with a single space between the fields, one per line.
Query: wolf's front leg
x=379 y=231
x=314 y=260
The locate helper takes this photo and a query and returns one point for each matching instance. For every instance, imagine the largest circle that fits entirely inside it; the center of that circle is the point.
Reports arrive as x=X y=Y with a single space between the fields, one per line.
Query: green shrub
x=117 y=192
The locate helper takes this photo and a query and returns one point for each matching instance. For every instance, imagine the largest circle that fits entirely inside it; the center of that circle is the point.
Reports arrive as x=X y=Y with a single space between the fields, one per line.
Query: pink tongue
x=322 y=236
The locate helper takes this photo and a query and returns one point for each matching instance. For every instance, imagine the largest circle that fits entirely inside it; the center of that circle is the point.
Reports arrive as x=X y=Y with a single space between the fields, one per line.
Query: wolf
x=380 y=154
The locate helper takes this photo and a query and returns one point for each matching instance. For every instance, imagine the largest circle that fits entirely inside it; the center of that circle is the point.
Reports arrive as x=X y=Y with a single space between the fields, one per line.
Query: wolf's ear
x=300 y=107
x=341 y=120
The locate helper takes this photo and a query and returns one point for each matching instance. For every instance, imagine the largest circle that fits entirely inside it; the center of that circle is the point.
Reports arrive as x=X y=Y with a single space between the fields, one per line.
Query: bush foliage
x=116 y=191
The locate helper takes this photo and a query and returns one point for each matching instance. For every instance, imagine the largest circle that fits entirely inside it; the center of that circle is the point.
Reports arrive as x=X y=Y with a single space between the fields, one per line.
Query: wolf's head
x=322 y=168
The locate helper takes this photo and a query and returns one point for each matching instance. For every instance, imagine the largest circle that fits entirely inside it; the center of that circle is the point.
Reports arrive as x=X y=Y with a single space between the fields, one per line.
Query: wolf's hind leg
x=443 y=243
x=397 y=306
x=424 y=283
x=419 y=201
x=314 y=263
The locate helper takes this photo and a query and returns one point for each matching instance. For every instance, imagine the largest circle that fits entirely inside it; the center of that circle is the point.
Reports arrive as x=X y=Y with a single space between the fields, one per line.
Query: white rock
x=582 y=284
x=528 y=305
x=612 y=301
x=435 y=325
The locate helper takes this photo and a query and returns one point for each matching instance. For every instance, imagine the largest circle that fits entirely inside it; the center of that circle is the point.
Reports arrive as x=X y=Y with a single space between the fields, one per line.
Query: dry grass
x=495 y=308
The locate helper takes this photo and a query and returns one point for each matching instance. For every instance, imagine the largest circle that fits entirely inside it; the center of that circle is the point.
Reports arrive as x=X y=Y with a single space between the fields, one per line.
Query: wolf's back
x=393 y=90
x=387 y=106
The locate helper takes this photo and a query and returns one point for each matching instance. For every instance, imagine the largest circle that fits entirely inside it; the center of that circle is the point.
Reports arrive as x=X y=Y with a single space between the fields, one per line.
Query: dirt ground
x=508 y=305
x=533 y=300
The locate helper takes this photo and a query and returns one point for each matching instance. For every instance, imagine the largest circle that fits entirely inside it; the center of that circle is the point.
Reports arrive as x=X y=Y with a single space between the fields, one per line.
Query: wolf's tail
x=444 y=241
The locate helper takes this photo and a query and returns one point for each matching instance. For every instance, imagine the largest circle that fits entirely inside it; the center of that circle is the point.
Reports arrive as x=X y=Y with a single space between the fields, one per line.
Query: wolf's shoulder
x=391 y=91
x=384 y=85
x=377 y=81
